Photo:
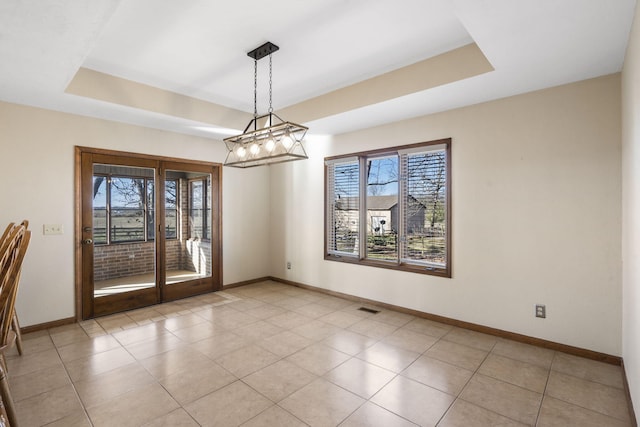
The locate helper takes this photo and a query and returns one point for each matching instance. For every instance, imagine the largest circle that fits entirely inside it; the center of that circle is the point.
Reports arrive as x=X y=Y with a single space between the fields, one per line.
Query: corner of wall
x=630 y=89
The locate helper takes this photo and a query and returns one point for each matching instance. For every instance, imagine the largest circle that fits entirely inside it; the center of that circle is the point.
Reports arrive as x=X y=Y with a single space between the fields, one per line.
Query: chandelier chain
x=255 y=88
x=270 y=84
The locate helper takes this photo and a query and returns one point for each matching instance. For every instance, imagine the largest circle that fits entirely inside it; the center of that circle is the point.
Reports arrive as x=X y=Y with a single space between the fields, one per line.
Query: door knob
x=87 y=241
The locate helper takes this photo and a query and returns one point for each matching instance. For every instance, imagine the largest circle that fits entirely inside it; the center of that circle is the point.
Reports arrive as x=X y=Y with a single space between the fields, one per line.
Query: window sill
x=391 y=265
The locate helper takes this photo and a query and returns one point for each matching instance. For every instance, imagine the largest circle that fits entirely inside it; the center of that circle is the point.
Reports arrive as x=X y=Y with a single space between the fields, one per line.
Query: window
x=199 y=209
x=343 y=179
x=381 y=206
x=100 y=225
x=123 y=209
x=391 y=208
x=170 y=209
x=127 y=199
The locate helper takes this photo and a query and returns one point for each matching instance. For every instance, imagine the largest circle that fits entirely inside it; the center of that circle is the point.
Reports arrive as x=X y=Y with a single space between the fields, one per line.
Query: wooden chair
x=14 y=250
x=15 y=322
x=4 y=391
x=5 y=236
x=13 y=245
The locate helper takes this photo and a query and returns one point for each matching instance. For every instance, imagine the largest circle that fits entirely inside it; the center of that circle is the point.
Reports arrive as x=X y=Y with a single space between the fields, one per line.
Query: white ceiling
x=198 y=48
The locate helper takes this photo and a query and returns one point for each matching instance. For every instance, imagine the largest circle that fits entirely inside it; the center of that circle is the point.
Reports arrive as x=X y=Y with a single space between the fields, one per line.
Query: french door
x=148 y=230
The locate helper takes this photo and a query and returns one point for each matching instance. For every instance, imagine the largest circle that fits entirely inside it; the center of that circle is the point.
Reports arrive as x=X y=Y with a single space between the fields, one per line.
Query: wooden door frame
x=83 y=302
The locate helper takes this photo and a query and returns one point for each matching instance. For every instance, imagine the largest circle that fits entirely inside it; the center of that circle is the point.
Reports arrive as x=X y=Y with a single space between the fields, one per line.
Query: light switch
x=49 y=229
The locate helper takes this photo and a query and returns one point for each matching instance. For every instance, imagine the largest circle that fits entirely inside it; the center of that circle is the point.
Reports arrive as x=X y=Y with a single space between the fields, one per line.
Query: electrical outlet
x=288 y=265
x=49 y=229
x=541 y=311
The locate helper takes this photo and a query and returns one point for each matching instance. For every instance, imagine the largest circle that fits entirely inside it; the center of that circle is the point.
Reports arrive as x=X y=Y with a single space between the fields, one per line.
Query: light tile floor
x=269 y=354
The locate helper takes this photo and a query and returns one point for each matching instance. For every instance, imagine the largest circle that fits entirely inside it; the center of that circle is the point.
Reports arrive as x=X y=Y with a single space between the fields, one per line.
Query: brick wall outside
x=125 y=259
x=128 y=259
x=174 y=254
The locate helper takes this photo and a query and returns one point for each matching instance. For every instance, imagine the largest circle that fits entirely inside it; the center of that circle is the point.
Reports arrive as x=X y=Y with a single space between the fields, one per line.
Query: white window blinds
x=343 y=206
x=424 y=216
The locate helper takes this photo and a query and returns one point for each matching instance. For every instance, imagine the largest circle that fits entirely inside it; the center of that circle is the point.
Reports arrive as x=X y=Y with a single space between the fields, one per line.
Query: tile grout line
x=457 y=397
x=73 y=385
x=544 y=392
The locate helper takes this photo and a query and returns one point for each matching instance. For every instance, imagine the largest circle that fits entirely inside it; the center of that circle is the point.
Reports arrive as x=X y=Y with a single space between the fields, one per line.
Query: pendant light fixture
x=267 y=138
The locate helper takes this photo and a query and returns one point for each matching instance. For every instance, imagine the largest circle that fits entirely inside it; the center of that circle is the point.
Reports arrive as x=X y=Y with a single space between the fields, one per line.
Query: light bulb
x=254 y=149
x=287 y=141
x=241 y=152
x=270 y=144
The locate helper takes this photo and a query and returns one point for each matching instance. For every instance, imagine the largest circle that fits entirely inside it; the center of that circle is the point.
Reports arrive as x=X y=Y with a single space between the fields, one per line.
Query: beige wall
x=536 y=216
x=631 y=212
x=37 y=176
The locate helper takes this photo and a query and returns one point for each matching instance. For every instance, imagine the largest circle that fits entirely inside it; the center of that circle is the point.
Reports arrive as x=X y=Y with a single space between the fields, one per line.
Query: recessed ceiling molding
x=458 y=64
x=449 y=67
x=105 y=87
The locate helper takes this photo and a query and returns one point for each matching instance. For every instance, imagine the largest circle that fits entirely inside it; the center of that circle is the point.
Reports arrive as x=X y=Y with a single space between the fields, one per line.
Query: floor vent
x=369 y=310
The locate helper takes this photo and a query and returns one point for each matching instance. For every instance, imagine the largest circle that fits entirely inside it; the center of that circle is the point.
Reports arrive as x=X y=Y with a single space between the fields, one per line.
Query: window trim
x=400 y=264
x=164 y=222
x=205 y=207
x=342 y=160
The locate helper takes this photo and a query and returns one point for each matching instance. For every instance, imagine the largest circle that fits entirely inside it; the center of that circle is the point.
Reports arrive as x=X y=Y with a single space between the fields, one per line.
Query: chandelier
x=267 y=138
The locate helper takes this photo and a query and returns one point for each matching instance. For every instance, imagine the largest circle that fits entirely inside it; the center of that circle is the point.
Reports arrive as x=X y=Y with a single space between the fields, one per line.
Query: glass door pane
x=187 y=227
x=123 y=237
